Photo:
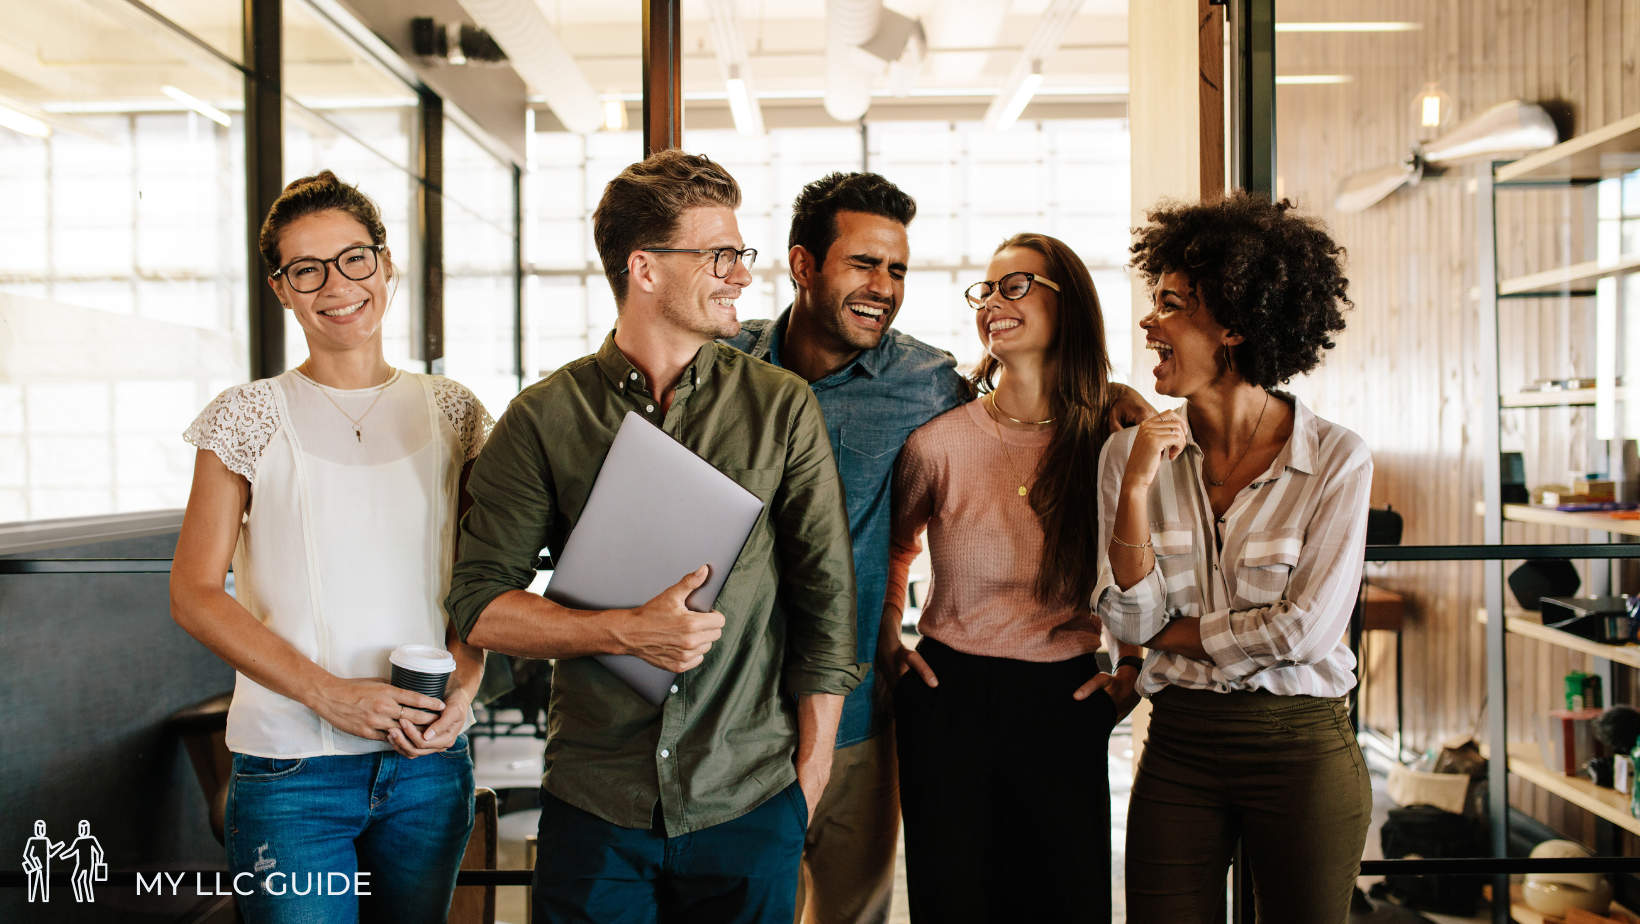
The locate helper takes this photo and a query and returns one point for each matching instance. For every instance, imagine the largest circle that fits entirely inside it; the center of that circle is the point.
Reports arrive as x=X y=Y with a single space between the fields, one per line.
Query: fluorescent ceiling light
x=614 y=115
x=198 y=105
x=1009 y=113
x=1349 y=26
x=23 y=124
x=748 y=120
x=1311 y=80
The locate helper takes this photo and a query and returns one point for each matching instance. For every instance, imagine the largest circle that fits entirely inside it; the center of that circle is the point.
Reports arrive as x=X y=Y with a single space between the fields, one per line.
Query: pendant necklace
x=357 y=422
x=1243 y=457
x=1006 y=452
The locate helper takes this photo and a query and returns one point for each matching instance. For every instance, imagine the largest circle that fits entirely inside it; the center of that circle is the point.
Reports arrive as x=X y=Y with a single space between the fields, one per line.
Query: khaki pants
x=1282 y=774
x=848 y=859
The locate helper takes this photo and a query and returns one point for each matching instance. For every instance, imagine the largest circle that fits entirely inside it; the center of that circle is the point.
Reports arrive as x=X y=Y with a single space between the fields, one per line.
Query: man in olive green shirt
x=696 y=807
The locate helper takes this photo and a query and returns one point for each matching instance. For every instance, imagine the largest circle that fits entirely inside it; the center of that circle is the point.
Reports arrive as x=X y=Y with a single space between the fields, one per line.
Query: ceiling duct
x=849 y=68
x=539 y=56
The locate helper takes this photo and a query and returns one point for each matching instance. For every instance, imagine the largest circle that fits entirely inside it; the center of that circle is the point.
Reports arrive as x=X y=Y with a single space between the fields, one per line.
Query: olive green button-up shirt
x=723 y=741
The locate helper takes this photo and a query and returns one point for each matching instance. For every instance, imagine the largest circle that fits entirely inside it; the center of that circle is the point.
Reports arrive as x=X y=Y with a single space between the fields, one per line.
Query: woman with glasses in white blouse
x=332 y=490
x=1234 y=526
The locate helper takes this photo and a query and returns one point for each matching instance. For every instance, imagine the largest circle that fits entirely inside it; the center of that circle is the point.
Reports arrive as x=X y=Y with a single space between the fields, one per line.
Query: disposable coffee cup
x=422 y=669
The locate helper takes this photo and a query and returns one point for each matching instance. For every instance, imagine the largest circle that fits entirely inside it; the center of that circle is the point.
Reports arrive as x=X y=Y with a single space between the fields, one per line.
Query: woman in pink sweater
x=1002 y=715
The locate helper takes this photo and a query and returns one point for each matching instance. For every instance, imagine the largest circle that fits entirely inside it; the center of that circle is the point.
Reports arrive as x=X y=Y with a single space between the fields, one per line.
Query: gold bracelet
x=1118 y=540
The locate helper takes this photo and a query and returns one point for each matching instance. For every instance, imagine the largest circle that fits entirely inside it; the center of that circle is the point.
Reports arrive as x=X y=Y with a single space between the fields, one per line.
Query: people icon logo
x=89 y=865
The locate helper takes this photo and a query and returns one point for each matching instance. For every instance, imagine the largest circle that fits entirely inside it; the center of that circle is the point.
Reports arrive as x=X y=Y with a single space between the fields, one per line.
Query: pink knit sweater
x=956 y=479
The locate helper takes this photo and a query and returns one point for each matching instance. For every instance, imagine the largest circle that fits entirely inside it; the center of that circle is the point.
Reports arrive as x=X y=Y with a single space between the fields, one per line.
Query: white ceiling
x=89 y=54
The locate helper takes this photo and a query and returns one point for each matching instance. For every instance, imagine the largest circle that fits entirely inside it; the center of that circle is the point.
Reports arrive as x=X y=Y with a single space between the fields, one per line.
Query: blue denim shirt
x=871 y=405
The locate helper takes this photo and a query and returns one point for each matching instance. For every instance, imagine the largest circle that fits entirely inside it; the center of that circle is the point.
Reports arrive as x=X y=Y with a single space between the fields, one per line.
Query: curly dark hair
x=1263 y=271
x=814 y=213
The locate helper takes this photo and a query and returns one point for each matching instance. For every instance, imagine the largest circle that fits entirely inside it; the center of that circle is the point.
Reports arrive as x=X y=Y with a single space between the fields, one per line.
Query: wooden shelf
x=1563 y=397
x=1559 y=279
x=1607 y=803
x=1529 y=625
x=1604 y=152
x=1548 y=516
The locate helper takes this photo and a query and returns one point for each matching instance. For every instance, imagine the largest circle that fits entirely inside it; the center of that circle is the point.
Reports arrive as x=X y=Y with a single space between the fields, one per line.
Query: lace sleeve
x=237 y=425
x=465 y=413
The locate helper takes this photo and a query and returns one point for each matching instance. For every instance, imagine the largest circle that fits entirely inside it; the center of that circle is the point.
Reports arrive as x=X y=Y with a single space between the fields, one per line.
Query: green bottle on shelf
x=1634 y=779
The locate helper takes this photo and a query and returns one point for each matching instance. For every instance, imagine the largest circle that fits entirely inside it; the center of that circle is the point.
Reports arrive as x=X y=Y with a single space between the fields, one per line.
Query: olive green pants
x=1281 y=774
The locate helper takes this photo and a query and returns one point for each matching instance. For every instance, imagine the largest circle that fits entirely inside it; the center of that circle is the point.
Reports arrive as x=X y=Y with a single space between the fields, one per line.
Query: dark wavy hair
x=1065 y=497
x=1263 y=271
x=814 y=212
x=318 y=193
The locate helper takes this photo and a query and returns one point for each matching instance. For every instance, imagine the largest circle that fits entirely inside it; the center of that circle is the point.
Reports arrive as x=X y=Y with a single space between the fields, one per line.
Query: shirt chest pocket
x=1175 y=546
x=865 y=459
x=1267 y=561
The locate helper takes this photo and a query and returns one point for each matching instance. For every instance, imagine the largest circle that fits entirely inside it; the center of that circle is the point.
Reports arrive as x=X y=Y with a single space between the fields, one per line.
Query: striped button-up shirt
x=1275 y=598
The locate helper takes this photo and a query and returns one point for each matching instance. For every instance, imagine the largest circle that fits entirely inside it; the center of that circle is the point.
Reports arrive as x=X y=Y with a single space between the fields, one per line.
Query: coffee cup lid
x=424 y=658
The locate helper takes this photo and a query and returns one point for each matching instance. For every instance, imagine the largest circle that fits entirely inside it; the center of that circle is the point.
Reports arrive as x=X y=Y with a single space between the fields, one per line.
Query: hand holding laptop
x=666 y=633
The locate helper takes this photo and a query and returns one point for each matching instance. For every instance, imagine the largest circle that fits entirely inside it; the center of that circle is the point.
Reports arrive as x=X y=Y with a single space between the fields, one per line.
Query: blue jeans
x=374 y=836
x=743 y=871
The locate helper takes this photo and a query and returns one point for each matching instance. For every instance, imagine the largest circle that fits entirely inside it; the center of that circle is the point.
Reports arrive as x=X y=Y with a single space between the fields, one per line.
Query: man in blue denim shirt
x=875 y=385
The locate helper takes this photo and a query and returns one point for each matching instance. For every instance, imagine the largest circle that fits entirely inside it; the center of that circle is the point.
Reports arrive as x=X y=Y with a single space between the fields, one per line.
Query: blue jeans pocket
x=457 y=750
x=248 y=768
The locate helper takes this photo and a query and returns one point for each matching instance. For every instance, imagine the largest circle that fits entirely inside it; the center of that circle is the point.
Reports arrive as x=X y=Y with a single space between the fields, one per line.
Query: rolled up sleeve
x=506 y=526
x=1304 y=626
x=816 y=562
x=1135 y=615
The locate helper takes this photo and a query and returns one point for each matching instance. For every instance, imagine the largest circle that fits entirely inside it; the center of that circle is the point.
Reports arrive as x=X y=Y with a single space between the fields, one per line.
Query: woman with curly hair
x=1234 y=527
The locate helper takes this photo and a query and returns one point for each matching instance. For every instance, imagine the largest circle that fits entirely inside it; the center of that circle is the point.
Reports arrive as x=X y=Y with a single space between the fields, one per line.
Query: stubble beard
x=695 y=317
x=837 y=322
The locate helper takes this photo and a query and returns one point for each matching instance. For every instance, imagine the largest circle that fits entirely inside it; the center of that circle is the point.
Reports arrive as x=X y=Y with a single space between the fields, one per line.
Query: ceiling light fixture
x=1009 y=113
x=614 y=115
x=198 y=105
x=744 y=109
x=1026 y=75
x=23 y=124
x=1349 y=26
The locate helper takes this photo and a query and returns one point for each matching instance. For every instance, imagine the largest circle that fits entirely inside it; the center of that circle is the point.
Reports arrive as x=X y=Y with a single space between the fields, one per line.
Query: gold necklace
x=358 y=431
x=1243 y=457
x=1022 y=423
x=1008 y=453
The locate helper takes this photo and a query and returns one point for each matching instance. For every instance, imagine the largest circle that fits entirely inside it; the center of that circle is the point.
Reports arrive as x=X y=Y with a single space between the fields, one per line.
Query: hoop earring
x=1229 y=358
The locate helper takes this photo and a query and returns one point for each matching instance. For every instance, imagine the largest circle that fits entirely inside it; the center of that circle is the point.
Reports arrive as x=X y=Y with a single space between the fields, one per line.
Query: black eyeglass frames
x=309 y=274
x=723 y=258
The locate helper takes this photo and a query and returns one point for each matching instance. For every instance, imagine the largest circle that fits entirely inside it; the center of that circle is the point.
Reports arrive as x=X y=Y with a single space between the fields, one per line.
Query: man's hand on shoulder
x=1127 y=408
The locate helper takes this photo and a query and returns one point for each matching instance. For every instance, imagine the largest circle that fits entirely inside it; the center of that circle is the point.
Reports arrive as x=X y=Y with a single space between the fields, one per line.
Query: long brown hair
x=1065 y=497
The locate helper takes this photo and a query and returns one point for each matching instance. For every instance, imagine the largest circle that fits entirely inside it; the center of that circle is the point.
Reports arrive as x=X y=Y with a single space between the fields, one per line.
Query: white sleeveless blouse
x=345 y=550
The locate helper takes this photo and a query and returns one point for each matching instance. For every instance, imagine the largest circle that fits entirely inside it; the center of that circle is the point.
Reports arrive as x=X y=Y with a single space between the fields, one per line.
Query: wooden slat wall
x=1407 y=373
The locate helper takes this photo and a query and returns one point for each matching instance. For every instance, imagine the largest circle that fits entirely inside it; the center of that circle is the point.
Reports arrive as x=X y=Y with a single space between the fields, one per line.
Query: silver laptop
x=656 y=512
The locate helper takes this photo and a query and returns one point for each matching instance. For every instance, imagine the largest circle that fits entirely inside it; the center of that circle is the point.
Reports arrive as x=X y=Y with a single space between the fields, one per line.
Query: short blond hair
x=643 y=205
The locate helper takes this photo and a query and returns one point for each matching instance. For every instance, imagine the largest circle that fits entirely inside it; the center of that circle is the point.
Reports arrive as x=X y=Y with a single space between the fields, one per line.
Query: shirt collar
x=773 y=336
x=624 y=375
x=1300 y=451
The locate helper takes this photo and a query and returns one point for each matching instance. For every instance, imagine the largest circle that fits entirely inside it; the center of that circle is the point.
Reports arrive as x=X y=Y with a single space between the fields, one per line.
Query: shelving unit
x=1607 y=803
x=1525 y=623
x=1612 y=150
x=1549 y=516
x=1609 y=152
x=1566 y=397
